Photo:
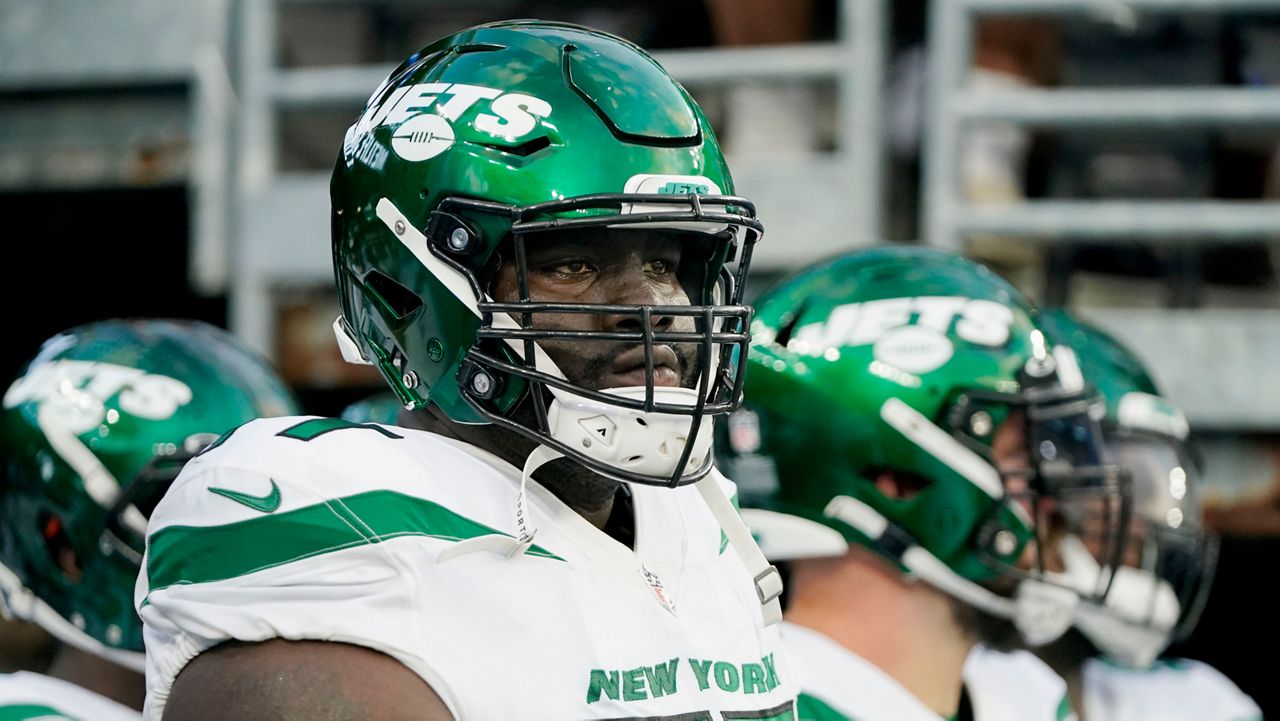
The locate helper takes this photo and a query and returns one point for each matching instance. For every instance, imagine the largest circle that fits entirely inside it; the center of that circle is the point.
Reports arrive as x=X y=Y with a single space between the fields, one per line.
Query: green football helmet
x=501 y=136
x=93 y=430
x=381 y=408
x=915 y=363
x=1157 y=594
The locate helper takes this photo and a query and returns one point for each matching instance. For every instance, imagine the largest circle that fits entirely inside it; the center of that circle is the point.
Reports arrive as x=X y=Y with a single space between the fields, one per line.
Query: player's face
x=1090 y=517
x=1009 y=449
x=1013 y=460
x=635 y=267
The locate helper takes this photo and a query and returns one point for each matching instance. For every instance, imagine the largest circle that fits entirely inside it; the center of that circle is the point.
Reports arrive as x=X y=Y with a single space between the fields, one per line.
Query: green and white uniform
x=1013 y=686
x=392 y=539
x=838 y=685
x=26 y=696
x=1168 y=691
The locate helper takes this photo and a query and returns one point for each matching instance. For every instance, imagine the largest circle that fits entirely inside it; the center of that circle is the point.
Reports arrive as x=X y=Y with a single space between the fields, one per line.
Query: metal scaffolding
x=1199 y=356
x=818 y=203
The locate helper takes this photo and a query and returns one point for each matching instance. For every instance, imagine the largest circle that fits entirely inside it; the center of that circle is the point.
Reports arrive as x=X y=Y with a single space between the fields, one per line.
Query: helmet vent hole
x=478 y=48
x=642 y=422
x=396 y=299
x=784 y=333
x=59 y=546
x=634 y=460
x=898 y=485
x=525 y=149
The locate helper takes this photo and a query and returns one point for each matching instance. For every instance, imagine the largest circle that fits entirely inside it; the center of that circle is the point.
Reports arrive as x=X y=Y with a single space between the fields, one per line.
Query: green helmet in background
x=906 y=363
x=1157 y=595
x=494 y=137
x=93 y=430
x=381 y=408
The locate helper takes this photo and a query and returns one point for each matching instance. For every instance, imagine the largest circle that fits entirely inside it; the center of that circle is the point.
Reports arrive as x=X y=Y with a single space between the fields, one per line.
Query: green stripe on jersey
x=29 y=712
x=202 y=554
x=1065 y=712
x=309 y=430
x=809 y=708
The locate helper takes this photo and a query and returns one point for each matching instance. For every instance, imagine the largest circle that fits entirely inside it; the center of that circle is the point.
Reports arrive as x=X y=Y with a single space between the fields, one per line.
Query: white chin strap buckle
x=769 y=585
x=628 y=439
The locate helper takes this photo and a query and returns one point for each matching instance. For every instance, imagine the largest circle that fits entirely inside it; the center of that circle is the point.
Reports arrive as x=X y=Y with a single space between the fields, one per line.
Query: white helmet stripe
x=101 y=486
x=416 y=242
x=921 y=431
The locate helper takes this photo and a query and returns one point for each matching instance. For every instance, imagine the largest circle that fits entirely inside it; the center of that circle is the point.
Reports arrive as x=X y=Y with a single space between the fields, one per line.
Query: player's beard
x=1069 y=651
x=591 y=370
x=994 y=632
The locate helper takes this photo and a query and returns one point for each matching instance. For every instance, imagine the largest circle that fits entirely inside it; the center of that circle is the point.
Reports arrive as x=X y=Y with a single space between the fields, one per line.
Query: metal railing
x=817 y=203
x=949 y=217
x=1216 y=362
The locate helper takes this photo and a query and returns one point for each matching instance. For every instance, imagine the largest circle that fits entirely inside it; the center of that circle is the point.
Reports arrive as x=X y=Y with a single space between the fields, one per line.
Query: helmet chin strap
x=767 y=580
x=499 y=543
x=765 y=576
x=1136 y=621
x=1041 y=611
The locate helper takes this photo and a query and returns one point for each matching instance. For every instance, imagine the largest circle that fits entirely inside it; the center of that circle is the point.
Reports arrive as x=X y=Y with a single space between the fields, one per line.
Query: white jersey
x=321 y=529
x=1014 y=686
x=838 y=685
x=26 y=696
x=1169 y=691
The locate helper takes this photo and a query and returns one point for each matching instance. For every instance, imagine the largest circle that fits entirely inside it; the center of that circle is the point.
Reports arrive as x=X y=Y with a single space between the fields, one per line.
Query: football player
x=536 y=244
x=913 y=429
x=92 y=432
x=1109 y=659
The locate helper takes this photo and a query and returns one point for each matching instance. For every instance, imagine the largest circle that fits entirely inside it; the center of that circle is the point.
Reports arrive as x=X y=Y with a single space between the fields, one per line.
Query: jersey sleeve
x=266 y=535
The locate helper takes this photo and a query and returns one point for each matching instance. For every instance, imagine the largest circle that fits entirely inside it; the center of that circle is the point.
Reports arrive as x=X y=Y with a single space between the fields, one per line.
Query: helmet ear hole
x=59 y=546
x=899 y=485
x=397 y=300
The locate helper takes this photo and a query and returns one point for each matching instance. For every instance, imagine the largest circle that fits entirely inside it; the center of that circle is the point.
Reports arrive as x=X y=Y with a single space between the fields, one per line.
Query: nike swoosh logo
x=264 y=504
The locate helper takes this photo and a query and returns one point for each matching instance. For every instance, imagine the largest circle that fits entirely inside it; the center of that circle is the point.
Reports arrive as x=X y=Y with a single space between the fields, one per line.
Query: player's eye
x=660 y=266
x=572 y=268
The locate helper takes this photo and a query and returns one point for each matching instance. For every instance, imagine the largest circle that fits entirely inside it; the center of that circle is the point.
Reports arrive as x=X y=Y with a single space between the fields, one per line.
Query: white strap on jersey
x=768 y=581
x=502 y=544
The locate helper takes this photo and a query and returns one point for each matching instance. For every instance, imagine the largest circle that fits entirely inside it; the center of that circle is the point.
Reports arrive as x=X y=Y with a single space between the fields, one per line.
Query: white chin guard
x=1137 y=621
x=632 y=440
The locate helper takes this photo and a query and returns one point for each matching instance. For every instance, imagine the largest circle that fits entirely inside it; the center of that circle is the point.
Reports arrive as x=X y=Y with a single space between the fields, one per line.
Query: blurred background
x=1122 y=159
